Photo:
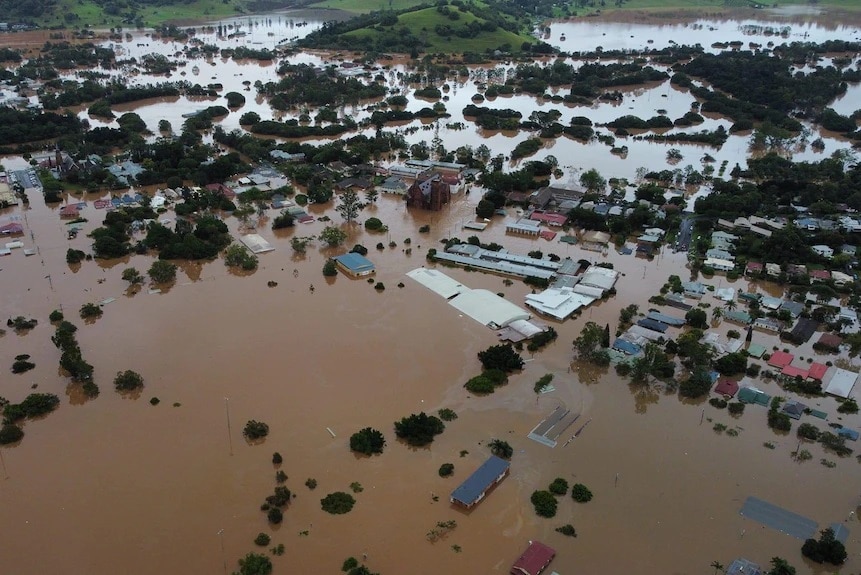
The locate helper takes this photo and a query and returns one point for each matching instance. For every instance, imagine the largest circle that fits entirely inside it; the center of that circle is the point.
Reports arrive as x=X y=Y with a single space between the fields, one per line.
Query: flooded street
x=117 y=484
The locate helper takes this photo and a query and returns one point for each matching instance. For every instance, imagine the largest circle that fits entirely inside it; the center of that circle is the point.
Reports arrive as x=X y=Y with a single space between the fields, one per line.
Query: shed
x=830 y=341
x=780 y=359
x=849 y=434
x=534 y=560
x=726 y=387
x=475 y=487
x=653 y=325
x=354 y=264
x=841 y=382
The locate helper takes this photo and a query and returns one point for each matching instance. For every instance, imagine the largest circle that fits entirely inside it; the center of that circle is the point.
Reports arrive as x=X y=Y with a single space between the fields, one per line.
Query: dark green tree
x=419 y=429
x=367 y=441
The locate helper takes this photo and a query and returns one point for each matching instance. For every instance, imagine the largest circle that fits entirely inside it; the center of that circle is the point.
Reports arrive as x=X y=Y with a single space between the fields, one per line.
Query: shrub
x=374 y=225
x=311 y=483
x=359 y=249
x=580 y=493
x=275 y=515
x=447 y=414
x=90 y=310
x=718 y=403
x=10 y=433
x=128 y=380
x=74 y=256
x=848 y=406
x=501 y=449
x=21 y=365
x=162 y=271
x=277 y=459
x=735 y=408
x=380 y=286
x=255 y=430
x=262 y=539
x=544 y=503
x=255 y=564
x=808 y=431
x=501 y=357
x=446 y=469
x=559 y=486
x=132 y=276
x=55 y=316
x=280 y=476
x=330 y=269
x=567 y=530
x=338 y=503
x=367 y=441
x=419 y=429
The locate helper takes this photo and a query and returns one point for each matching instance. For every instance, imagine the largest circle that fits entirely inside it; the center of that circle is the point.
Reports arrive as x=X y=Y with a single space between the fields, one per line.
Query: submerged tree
x=349 y=205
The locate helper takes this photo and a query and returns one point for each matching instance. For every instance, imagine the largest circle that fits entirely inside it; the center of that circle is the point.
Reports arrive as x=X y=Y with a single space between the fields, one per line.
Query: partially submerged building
x=354 y=265
x=430 y=194
x=476 y=486
x=534 y=560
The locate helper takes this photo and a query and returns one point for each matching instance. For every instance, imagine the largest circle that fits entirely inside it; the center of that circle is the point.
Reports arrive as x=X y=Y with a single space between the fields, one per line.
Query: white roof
x=719 y=263
x=638 y=331
x=599 y=277
x=725 y=294
x=841 y=383
x=256 y=243
x=487 y=308
x=527 y=328
x=590 y=291
x=437 y=282
x=558 y=303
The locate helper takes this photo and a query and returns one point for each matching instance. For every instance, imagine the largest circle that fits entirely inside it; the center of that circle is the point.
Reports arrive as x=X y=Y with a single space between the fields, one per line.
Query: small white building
x=841 y=279
x=823 y=250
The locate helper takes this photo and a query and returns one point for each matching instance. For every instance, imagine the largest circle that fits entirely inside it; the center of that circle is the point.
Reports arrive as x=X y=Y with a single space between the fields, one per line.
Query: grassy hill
x=365 y=6
x=439 y=34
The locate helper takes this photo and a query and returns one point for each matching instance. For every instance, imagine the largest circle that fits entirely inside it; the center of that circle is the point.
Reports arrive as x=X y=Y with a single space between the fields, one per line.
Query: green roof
x=750 y=395
x=755 y=350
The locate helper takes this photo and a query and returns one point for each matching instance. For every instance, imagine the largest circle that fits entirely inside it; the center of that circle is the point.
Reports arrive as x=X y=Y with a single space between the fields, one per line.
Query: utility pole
x=3 y=461
x=229 y=434
x=223 y=556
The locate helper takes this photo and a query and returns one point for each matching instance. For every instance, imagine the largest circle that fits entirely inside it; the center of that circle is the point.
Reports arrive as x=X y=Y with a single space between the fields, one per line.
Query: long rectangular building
x=476 y=486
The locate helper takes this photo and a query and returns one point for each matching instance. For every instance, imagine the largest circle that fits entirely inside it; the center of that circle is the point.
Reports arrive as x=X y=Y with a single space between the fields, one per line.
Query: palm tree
x=730 y=305
x=717 y=566
x=717 y=313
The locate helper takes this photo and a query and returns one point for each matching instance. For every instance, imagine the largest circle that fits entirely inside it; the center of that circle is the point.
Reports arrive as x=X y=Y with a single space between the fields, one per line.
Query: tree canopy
x=419 y=429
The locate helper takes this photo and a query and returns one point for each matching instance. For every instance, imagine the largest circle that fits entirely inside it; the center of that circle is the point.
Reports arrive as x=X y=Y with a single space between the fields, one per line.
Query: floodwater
x=116 y=481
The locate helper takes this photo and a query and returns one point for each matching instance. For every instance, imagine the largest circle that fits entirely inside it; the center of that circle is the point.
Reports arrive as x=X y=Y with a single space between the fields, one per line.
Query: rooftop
x=356 y=263
x=472 y=489
x=533 y=561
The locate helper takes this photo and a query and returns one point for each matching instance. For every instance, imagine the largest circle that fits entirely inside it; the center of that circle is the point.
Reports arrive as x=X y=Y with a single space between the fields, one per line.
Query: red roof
x=12 y=229
x=820 y=274
x=69 y=211
x=817 y=371
x=726 y=387
x=780 y=359
x=792 y=371
x=552 y=219
x=547 y=235
x=754 y=267
x=533 y=561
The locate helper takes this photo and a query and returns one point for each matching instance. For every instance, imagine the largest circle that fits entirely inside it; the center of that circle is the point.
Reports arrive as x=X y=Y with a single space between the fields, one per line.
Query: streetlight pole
x=229 y=434
x=223 y=557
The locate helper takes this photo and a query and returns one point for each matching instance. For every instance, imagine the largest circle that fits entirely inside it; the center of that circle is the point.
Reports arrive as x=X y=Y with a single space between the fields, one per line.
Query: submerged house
x=534 y=560
x=355 y=265
x=476 y=486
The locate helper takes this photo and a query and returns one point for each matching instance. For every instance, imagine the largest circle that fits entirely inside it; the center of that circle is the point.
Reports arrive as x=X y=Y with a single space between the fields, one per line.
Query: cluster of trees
x=300 y=85
x=201 y=240
x=367 y=441
x=71 y=358
x=419 y=429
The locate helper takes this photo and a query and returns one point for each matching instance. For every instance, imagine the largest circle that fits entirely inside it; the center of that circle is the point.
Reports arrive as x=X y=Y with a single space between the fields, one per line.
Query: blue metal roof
x=850 y=434
x=653 y=325
x=664 y=318
x=626 y=346
x=482 y=478
x=355 y=262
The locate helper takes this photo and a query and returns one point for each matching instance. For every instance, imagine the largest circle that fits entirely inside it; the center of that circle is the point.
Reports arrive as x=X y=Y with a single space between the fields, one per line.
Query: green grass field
x=423 y=22
x=90 y=14
x=854 y=5
x=365 y=6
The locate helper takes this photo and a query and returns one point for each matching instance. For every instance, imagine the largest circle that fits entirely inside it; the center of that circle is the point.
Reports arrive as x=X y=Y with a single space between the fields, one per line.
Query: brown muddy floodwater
x=118 y=484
